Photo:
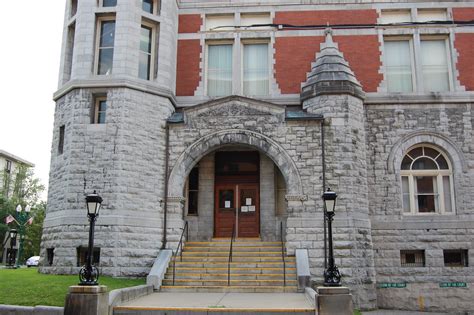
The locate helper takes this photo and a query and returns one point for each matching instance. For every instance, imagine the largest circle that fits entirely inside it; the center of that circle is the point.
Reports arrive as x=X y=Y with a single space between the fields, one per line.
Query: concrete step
x=225 y=289
x=233 y=282
x=235 y=253
x=234 y=276
x=234 y=248
x=234 y=270
x=234 y=244
x=226 y=259
x=234 y=264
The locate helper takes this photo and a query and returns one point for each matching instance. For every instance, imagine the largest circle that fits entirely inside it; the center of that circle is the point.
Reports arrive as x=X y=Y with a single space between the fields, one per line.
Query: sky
x=31 y=33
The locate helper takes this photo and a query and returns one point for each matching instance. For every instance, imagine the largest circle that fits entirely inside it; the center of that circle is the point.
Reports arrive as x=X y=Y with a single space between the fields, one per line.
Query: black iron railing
x=283 y=253
x=230 y=254
x=180 y=246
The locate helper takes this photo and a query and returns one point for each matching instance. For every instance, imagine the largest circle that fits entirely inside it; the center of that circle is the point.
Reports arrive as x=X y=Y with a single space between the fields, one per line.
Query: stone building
x=9 y=165
x=184 y=111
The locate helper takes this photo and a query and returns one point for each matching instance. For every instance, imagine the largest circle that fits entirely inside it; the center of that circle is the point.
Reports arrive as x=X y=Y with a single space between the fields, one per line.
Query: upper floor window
x=427 y=182
x=220 y=22
x=105 y=46
x=150 y=6
x=401 y=72
x=109 y=3
x=8 y=166
x=145 y=67
x=255 y=69
x=73 y=7
x=219 y=70
x=61 y=139
x=100 y=109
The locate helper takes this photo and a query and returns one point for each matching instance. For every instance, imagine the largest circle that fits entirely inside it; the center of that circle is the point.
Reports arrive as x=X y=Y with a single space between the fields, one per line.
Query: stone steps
x=256 y=267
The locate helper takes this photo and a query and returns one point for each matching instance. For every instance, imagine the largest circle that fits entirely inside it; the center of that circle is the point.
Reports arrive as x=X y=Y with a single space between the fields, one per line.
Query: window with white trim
x=108 y=3
x=255 y=69
x=105 y=46
x=219 y=70
x=427 y=182
x=401 y=72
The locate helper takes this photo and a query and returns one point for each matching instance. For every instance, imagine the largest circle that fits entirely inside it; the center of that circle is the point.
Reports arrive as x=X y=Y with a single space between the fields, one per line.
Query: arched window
x=427 y=182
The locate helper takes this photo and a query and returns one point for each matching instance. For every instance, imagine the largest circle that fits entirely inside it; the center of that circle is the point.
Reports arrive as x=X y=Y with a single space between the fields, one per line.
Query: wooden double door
x=239 y=205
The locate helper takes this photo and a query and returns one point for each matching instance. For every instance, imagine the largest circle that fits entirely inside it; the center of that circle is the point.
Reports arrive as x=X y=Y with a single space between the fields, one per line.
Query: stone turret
x=333 y=91
x=330 y=74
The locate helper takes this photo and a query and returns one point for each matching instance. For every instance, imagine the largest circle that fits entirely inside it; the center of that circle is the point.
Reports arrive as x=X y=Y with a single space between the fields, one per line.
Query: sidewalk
x=398 y=312
x=285 y=301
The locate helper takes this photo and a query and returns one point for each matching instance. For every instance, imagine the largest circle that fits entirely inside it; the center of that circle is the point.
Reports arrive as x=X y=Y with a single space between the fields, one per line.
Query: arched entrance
x=236 y=195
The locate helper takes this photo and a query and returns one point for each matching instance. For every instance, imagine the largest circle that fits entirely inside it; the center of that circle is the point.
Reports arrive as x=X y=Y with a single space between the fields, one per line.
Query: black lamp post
x=12 y=255
x=332 y=277
x=89 y=274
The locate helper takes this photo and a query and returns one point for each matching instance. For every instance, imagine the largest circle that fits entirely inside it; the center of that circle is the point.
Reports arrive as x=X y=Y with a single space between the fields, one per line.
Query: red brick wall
x=463 y=14
x=187 y=76
x=189 y=23
x=293 y=57
x=464 y=44
x=363 y=54
x=324 y=17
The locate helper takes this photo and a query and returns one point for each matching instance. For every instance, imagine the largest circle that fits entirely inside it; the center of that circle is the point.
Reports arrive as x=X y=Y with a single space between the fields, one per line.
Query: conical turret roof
x=330 y=73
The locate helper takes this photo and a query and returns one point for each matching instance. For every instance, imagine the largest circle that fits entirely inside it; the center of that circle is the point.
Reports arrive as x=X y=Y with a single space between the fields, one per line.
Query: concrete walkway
x=398 y=312
x=288 y=301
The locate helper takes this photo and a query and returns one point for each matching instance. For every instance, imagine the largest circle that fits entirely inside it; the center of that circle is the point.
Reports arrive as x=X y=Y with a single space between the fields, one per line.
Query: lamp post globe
x=332 y=276
x=89 y=274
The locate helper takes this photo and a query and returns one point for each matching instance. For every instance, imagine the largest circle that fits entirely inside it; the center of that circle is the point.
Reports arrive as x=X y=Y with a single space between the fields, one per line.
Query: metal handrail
x=180 y=244
x=230 y=254
x=283 y=253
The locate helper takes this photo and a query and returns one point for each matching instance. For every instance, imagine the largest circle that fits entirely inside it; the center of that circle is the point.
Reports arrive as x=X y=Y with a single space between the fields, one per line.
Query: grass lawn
x=27 y=287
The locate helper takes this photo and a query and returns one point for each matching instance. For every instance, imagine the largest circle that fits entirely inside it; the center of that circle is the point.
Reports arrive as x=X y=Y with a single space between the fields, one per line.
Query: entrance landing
x=217 y=303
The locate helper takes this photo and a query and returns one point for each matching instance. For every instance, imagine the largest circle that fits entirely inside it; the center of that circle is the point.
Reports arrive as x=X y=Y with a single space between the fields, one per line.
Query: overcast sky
x=31 y=34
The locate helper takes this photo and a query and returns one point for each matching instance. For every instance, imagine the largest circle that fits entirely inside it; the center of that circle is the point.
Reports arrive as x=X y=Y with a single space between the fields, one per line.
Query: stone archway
x=212 y=141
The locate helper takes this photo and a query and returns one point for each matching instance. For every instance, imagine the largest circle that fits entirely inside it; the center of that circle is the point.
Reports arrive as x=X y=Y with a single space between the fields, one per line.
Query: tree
x=23 y=189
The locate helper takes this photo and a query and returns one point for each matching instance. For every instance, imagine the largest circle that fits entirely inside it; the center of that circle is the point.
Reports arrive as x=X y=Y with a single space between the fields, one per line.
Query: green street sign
x=386 y=285
x=452 y=285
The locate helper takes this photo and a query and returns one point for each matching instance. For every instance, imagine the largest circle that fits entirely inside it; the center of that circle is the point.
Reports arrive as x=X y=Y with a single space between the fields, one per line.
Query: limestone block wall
x=123 y=160
x=391 y=130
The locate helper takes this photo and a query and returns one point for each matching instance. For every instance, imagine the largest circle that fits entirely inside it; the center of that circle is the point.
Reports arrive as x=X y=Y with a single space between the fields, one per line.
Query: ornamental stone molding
x=211 y=142
x=400 y=148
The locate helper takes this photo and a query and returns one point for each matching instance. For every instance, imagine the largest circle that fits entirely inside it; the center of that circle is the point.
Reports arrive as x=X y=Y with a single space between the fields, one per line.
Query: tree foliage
x=23 y=188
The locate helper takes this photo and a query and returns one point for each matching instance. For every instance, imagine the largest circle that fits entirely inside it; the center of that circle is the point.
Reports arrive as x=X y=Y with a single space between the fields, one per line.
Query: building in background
x=9 y=164
x=242 y=113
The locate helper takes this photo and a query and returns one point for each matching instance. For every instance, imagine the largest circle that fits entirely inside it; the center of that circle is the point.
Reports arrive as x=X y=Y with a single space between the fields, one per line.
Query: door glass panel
x=226 y=199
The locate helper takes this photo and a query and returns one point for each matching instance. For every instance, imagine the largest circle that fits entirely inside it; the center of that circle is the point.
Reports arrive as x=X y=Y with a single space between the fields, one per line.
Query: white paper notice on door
x=251 y=208
x=244 y=209
x=248 y=201
x=227 y=204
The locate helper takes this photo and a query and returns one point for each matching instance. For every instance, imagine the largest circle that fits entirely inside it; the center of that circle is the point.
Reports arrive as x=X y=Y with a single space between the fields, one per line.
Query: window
x=255 y=69
x=150 y=6
x=428 y=15
x=219 y=71
x=398 y=64
x=145 y=68
x=427 y=183
x=109 y=3
x=193 y=190
x=61 y=140
x=71 y=33
x=412 y=258
x=105 y=46
x=8 y=166
x=50 y=255
x=73 y=7
x=220 y=22
x=434 y=64
x=81 y=253
x=99 y=112
x=247 y=19
x=456 y=258
x=395 y=16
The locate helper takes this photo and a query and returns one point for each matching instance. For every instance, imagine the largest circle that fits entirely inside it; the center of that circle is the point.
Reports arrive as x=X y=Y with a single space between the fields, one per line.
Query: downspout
x=323 y=160
x=165 y=212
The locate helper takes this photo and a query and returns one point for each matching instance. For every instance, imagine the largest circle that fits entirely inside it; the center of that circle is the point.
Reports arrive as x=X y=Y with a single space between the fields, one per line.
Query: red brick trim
x=189 y=23
x=187 y=69
x=464 y=44
x=324 y=17
x=463 y=14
